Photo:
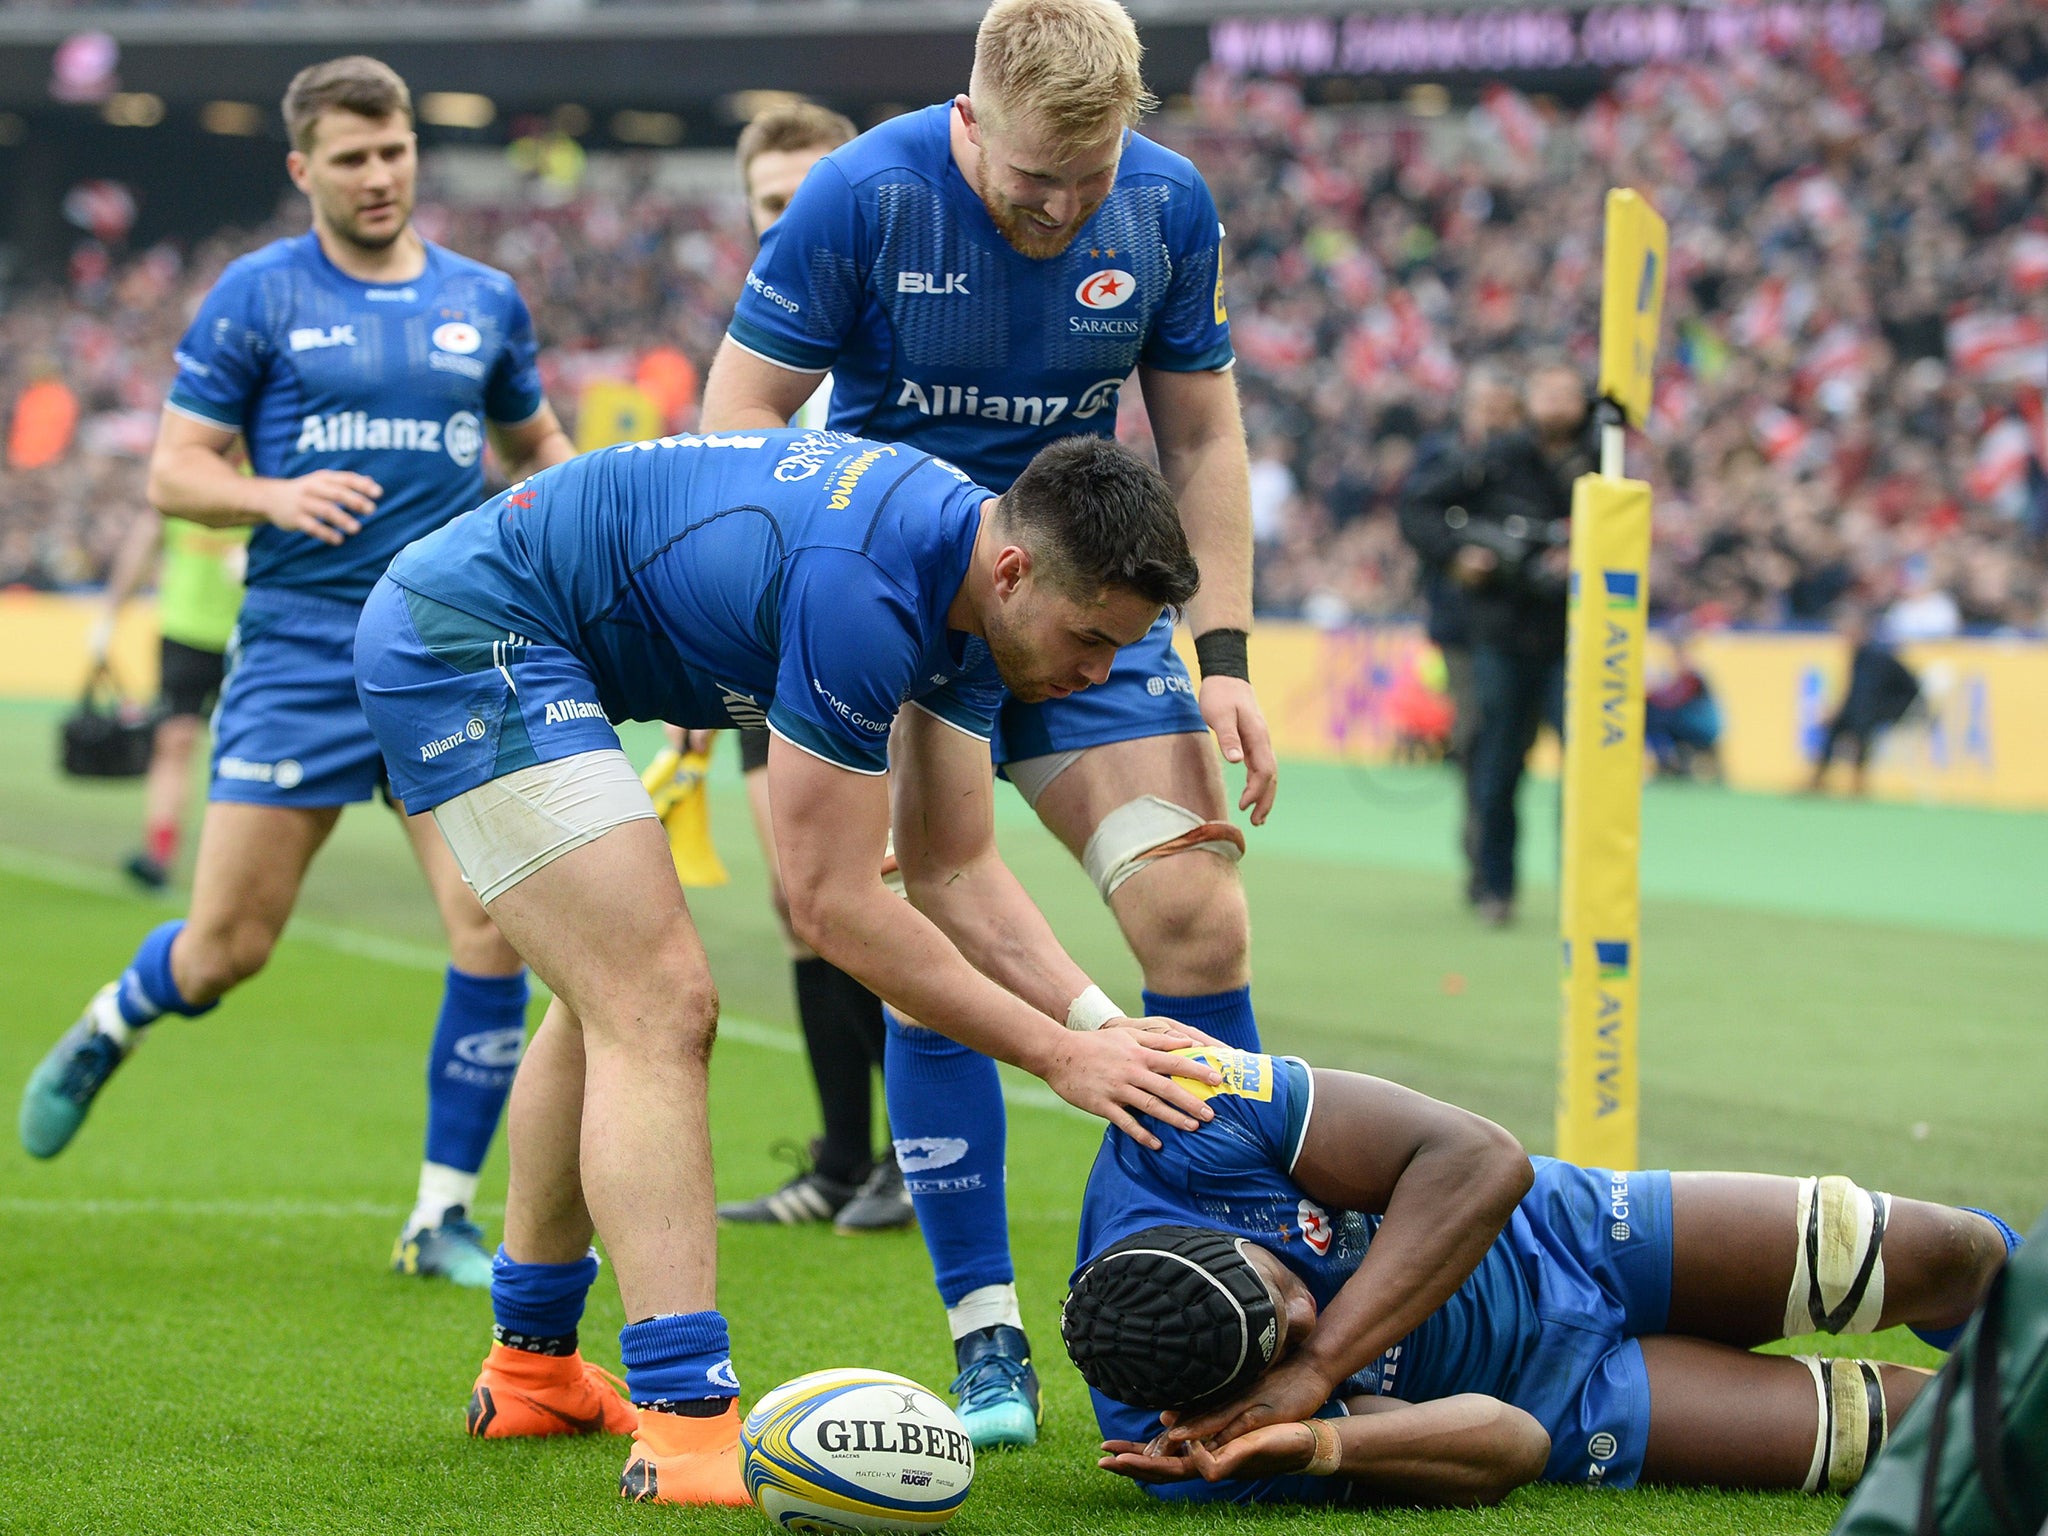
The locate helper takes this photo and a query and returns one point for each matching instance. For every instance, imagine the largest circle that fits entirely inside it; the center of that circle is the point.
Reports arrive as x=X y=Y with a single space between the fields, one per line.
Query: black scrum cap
x=1175 y=1317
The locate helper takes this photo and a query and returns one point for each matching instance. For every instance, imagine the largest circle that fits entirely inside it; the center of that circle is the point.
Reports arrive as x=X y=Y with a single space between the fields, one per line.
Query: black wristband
x=1221 y=653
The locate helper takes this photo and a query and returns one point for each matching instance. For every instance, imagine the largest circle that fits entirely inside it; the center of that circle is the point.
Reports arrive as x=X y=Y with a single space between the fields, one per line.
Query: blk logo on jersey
x=313 y=337
x=935 y=283
x=1111 y=288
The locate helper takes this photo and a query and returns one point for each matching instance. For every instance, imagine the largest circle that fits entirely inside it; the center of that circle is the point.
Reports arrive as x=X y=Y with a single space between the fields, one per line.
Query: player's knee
x=1188 y=924
x=1852 y=1421
x=221 y=956
x=1838 y=1275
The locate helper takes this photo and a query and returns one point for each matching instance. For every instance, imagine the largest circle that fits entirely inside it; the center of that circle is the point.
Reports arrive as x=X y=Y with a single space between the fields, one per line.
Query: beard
x=1014 y=661
x=1026 y=234
x=345 y=223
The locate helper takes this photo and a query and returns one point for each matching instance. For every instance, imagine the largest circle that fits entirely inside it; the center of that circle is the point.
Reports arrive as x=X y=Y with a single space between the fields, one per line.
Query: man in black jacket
x=1495 y=521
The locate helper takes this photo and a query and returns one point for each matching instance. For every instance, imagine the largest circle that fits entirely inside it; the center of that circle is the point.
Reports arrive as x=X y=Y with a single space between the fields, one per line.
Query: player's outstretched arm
x=831 y=825
x=1457 y=1451
x=193 y=475
x=943 y=813
x=1200 y=434
x=746 y=390
x=1445 y=1182
x=532 y=445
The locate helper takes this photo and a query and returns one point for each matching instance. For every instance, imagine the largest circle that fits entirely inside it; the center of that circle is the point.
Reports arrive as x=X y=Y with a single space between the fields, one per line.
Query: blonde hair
x=791 y=126
x=1069 y=66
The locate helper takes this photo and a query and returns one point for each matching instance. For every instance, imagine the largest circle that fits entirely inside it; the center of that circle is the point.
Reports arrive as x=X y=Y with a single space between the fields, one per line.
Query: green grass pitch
x=202 y=1338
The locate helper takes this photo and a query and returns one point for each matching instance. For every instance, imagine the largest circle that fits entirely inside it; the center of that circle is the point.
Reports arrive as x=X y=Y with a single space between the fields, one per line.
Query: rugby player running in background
x=871 y=603
x=1341 y=1291
x=842 y=1020
x=981 y=277
x=362 y=367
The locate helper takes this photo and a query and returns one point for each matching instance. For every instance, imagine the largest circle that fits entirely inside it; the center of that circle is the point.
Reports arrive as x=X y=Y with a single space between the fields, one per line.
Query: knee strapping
x=1838 y=1263
x=1148 y=828
x=1853 y=1422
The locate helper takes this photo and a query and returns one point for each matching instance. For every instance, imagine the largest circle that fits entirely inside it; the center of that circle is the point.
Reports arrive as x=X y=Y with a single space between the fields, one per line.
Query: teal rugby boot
x=68 y=1079
x=997 y=1389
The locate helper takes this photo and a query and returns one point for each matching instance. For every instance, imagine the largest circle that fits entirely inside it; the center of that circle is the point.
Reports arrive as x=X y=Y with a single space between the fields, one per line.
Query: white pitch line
x=53 y=869
x=234 y=1210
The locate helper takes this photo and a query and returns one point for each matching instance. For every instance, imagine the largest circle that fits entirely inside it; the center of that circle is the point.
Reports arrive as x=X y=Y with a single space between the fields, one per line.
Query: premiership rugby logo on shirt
x=461 y=437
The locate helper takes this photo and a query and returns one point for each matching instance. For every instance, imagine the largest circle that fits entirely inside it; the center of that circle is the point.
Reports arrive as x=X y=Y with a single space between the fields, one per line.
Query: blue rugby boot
x=997 y=1389
x=452 y=1249
x=69 y=1078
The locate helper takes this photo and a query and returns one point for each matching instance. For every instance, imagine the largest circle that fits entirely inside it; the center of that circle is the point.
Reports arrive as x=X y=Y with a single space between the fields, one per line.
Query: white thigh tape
x=1838 y=1260
x=505 y=830
x=1148 y=828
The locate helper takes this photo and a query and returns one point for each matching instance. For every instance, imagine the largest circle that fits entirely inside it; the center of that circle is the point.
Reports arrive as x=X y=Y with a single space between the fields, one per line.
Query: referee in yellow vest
x=199 y=594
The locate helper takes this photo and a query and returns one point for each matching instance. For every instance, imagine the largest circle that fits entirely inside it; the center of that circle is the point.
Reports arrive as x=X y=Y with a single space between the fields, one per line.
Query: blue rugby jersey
x=1233 y=1174
x=796 y=578
x=888 y=270
x=318 y=370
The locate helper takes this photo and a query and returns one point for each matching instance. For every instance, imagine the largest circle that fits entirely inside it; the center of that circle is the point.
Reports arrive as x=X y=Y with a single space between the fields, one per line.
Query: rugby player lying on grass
x=1338 y=1290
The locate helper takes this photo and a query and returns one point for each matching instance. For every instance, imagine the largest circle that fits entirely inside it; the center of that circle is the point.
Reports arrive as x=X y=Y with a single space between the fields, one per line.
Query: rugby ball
x=853 y=1450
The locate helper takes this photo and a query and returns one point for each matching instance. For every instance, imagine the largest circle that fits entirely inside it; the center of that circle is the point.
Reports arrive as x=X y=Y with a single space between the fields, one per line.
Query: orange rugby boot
x=680 y=1460
x=519 y=1393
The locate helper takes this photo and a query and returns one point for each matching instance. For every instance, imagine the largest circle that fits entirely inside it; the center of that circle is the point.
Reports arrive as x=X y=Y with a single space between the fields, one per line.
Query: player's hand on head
x=1119 y=1074
x=1290 y=1393
x=328 y=504
x=1231 y=710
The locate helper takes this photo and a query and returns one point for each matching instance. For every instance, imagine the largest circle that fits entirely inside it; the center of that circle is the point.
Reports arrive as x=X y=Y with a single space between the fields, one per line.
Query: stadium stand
x=1858 y=341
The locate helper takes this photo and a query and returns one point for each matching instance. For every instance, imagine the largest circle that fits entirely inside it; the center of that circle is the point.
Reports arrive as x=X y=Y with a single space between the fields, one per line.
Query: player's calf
x=1864 y=1260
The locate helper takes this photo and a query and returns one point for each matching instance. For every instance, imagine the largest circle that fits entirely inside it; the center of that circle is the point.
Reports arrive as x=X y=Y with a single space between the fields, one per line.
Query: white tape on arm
x=1092 y=1009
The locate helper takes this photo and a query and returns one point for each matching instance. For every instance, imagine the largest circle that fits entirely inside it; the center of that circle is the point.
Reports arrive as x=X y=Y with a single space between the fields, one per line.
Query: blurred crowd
x=1856 y=342
x=1849 y=401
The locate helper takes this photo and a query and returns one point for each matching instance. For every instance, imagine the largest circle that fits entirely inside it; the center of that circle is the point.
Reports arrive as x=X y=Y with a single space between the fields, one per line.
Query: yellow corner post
x=1599 y=907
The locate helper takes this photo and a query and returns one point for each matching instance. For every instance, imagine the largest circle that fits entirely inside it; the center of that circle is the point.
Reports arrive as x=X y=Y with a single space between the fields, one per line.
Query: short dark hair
x=790 y=126
x=356 y=83
x=1097 y=516
x=1174 y=1317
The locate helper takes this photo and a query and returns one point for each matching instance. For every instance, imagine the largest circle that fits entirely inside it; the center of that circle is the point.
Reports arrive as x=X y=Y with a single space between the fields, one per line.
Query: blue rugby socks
x=537 y=1307
x=946 y=1113
x=680 y=1362
x=477 y=1044
x=147 y=990
x=1225 y=1015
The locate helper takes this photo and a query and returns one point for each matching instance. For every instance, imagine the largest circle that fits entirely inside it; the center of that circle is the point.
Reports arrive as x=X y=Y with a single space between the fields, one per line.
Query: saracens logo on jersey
x=1110 y=288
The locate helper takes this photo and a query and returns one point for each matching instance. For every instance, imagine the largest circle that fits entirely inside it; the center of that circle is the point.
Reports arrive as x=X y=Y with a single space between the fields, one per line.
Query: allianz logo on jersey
x=935 y=283
x=308 y=338
x=461 y=437
x=1022 y=410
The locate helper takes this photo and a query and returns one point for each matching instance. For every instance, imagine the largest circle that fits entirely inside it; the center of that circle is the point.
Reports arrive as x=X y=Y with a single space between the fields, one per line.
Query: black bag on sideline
x=106 y=737
x=1970 y=1458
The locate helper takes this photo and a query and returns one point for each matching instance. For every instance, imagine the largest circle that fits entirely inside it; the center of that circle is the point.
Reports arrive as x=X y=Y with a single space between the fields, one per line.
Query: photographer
x=1495 y=520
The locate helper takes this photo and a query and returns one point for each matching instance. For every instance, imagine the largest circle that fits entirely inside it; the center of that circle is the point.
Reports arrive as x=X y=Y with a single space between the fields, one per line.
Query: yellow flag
x=682 y=799
x=1631 y=302
x=610 y=412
